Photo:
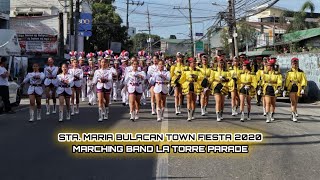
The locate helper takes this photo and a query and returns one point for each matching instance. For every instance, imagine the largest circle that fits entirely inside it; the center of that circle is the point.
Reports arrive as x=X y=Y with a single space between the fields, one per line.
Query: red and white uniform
x=160 y=79
x=134 y=82
x=103 y=74
x=64 y=83
x=51 y=73
x=35 y=82
x=77 y=75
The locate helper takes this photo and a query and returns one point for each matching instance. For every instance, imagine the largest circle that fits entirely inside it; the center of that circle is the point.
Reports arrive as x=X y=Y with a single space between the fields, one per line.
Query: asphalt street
x=290 y=150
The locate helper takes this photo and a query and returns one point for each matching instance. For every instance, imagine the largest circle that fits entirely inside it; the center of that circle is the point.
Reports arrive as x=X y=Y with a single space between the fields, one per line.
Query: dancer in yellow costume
x=220 y=87
x=176 y=71
x=247 y=87
x=271 y=84
x=234 y=72
x=191 y=86
x=207 y=74
x=295 y=83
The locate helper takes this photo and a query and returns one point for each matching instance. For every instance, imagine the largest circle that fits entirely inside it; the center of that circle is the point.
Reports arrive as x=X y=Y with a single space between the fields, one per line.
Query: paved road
x=290 y=150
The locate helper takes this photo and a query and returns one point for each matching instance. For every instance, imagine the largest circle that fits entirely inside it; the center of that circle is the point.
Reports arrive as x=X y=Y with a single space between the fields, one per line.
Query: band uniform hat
x=179 y=55
x=294 y=60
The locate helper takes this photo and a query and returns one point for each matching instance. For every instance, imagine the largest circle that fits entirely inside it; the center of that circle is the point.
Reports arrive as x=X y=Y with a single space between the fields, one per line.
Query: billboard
x=38 y=43
x=85 y=24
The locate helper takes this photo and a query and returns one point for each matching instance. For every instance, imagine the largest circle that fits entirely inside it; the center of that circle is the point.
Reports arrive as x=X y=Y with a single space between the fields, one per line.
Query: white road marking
x=162 y=159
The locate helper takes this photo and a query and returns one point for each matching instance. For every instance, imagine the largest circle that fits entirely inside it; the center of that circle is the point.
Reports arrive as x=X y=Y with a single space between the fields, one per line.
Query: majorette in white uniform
x=134 y=85
x=64 y=89
x=35 y=88
x=50 y=73
x=91 y=87
x=103 y=79
x=160 y=79
x=116 y=81
x=77 y=75
x=151 y=70
x=84 y=79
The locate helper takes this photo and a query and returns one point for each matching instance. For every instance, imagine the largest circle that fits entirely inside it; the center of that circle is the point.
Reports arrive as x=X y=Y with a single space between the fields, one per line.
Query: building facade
x=4 y=14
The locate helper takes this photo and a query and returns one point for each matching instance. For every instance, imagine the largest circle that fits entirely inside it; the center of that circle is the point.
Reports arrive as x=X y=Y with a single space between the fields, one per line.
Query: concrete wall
x=310 y=64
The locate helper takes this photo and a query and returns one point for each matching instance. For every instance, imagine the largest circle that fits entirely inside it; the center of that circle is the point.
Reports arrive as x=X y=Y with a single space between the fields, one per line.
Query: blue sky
x=166 y=21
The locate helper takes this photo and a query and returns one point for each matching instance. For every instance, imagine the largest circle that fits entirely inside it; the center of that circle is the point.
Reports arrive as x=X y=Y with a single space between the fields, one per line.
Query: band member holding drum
x=35 y=91
x=191 y=86
x=133 y=80
x=64 y=91
x=295 y=83
x=161 y=79
x=50 y=83
x=247 y=86
x=176 y=71
x=103 y=79
x=220 y=87
x=234 y=72
x=271 y=83
x=207 y=74
x=77 y=74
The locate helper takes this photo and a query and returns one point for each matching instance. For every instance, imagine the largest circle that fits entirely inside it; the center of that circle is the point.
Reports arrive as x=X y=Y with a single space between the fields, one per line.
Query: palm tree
x=299 y=18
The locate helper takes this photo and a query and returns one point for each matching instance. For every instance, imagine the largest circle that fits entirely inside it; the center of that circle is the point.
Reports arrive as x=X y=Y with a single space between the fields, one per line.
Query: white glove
x=302 y=91
x=284 y=93
x=259 y=92
x=276 y=92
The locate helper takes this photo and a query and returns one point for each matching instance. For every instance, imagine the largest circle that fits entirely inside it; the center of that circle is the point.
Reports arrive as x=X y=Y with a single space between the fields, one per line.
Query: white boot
x=152 y=109
x=203 y=113
x=268 y=118
x=72 y=110
x=264 y=112
x=77 y=109
x=242 y=117
x=54 y=110
x=192 y=115
x=272 y=116
x=132 y=116
x=38 y=114
x=106 y=113
x=218 y=116
x=60 y=116
x=136 y=115
x=158 y=115
x=221 y=114
x=294 y=117
x=68 y=115
x=205 y=110
x=248 y=116
x=189 y=115
x=48 y=109
x=177 y=111
x=233 y=110
x=100 y=115
x=31 y=111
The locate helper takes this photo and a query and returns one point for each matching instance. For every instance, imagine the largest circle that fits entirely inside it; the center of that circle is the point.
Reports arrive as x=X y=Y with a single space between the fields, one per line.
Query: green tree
x=139 y=42
x=246 y=35
x=106 y=25
x=299 y=18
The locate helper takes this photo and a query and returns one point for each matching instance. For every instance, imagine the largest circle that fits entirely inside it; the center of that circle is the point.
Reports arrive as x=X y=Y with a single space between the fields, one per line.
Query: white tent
x=9 y=44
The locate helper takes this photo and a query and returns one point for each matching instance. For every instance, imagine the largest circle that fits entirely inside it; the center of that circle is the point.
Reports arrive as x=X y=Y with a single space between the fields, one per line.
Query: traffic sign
x=85 y=22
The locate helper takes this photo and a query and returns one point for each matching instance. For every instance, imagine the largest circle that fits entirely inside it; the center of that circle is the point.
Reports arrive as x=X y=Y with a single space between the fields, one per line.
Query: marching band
x=112 y=78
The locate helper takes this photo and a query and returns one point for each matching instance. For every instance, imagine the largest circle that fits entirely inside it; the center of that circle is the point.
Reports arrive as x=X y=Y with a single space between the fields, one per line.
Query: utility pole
x=149 y=29
x=61 y=37
x=191 y=33
x=77 y=17
x=127 y=14
x=230 y=31
x=71 y=23
x=190 y=26
x=137 y=3
x=235 y=35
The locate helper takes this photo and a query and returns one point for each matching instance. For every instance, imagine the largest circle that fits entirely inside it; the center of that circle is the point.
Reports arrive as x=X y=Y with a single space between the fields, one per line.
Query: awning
x=260 y=53
x=9 y=45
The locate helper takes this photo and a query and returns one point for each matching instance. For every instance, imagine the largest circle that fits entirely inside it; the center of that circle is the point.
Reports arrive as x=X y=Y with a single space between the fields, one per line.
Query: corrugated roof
x=301 y=35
